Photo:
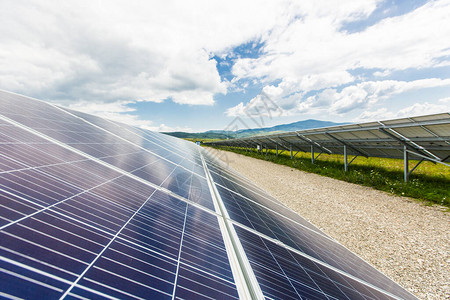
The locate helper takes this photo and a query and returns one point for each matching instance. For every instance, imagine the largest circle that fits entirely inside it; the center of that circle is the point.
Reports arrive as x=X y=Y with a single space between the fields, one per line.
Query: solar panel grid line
x=13 y=185
x=37 y=167
x=54 y=164
x=246 y=283
x=135 y=244
x=188 y=252
x=85 y=249
x=277 y=262
x=105 y=182
x=134 y=269
x=274 y=234
x=99 y=293
x=131 y=240
x=259 y=192
x=148 y=140
x=54 y=204
x=225 y=168
x=106 y=247
x=118 y=136
x=290 y=282
x=61 y=214
x=275 y=212
x=214 y=285
x=203 y=296
x=97 y=160
x=214 y=276
x=265 y=262
x=28 y=279
x=38 y=270
x=49 y=250
x=126 y=278
x=315 y=260
x=179 y=253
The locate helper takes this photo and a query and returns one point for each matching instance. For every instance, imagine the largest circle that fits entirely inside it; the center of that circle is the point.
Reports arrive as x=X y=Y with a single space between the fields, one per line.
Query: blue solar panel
x=284 y=274
x=90 y=208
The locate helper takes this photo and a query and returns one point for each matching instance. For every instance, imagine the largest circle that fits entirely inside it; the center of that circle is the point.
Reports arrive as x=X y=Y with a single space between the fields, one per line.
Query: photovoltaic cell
x=284 y=274
x=250 y=210
x=91 y=208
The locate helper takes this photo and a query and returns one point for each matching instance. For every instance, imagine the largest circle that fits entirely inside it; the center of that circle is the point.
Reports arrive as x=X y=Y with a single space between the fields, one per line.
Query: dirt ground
x=404 y=239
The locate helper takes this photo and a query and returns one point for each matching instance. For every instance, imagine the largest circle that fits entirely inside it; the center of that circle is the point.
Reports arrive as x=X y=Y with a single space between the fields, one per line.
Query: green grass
x=429 y=182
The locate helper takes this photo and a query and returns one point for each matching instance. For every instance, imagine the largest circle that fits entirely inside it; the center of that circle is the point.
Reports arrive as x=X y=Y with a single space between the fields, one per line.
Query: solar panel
x=421 y=138
x=430 y=133
x=91 y=208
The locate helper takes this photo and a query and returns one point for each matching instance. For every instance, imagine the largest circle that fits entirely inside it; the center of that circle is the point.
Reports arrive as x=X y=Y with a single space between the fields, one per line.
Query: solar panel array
x=425 y=137
x=90 y=208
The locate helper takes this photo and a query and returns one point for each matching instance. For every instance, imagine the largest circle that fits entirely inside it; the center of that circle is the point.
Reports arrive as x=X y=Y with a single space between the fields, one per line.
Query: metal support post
x=290 y=147
x=345 y=159
x=276 y=151
x=312 y=154
x=405 y=164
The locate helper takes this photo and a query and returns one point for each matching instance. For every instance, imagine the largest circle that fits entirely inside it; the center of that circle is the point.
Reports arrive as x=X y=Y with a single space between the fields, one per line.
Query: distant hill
x=222 y=134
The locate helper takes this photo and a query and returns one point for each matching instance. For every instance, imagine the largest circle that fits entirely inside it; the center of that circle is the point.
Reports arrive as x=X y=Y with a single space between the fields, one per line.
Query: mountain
x=222 y=134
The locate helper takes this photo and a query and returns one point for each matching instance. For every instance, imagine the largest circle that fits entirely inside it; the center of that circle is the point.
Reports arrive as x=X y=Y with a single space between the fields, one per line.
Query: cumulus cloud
x=314 y=59
x=85 y=51
x=116 y=111
x=120 y=112
x=363 y=95
x=416 y=109
x=114 y=51
x=314 y=44
x=368 y=93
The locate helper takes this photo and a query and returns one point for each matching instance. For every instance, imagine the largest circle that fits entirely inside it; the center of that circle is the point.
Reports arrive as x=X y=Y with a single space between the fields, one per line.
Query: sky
x=199 y=65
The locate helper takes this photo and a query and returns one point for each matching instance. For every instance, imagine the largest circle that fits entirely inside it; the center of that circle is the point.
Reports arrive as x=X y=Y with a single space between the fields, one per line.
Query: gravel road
x=404 y=239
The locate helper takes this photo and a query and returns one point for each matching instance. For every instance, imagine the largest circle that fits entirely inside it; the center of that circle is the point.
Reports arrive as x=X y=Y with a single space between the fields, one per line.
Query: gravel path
x=404 y=239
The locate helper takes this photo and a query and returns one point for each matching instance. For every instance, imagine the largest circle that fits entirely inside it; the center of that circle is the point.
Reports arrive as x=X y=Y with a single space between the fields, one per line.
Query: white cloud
x=416 y=109
x=115 y=50
x=262 y=105
x=382 y=74
x=116 y=111
x=314 y=45
x=332 y=101
x=120 y=112
x=368 y=93
x=317 y=57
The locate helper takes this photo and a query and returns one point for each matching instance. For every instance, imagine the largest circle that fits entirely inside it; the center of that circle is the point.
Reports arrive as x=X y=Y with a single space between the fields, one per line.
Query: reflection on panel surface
x=91 y=208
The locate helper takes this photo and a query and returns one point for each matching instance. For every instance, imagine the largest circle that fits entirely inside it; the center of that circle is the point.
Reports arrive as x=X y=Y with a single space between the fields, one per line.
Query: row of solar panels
x=425 y=137
x=90 y=208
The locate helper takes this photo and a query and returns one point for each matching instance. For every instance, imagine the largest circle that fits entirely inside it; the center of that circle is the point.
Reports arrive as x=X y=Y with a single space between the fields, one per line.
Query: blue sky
x=200 y=65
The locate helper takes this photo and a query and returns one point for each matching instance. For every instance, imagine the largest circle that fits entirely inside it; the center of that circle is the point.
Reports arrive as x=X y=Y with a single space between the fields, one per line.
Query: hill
x=222 y=134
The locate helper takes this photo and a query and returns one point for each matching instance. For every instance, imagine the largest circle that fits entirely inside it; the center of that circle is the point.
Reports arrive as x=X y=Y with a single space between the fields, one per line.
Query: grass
x=429 y=182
